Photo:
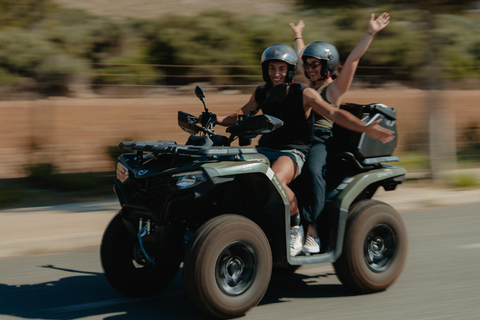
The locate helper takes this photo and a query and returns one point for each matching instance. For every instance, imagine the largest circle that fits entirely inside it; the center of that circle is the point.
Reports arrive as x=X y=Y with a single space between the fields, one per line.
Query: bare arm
x=232 y=118
x=336 y=90
x=313 y=100
x=298 y=40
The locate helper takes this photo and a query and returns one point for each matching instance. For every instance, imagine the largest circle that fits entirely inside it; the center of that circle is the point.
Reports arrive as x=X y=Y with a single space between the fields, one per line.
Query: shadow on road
x=302 y=286
x=90 y=295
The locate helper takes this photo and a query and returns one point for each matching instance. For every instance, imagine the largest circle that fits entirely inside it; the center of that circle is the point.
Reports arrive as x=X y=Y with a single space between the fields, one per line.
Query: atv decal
x=270 y=173
x=142 y=172
x=386 y=173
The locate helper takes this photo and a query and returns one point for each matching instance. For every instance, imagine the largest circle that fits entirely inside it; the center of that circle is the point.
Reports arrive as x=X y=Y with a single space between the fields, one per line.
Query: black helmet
x=280 y=52
x=325 y=52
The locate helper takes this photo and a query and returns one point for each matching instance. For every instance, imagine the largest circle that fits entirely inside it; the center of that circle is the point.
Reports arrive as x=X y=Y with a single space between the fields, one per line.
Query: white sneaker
x=312 y=245
x=297 y=236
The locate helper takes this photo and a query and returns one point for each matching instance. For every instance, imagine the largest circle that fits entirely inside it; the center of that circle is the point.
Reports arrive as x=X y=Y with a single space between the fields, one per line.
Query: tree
x=24 y=13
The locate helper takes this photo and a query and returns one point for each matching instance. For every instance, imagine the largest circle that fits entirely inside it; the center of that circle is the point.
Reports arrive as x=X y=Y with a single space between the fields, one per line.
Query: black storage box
x=359 y=144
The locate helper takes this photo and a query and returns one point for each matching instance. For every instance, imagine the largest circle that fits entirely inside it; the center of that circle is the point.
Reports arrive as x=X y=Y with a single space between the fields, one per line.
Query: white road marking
x=471 y=246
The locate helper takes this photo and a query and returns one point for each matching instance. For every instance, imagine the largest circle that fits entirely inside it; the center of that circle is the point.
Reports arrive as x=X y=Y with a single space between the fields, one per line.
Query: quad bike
x=222 y=212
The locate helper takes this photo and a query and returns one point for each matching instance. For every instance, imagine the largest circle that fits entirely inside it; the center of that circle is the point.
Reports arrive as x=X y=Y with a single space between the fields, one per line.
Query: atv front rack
x=171 y=147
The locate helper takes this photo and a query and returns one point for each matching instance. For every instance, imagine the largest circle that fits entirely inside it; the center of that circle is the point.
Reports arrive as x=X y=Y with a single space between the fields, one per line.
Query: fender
x=226 y=171
x=358 y=184
x=350 y=191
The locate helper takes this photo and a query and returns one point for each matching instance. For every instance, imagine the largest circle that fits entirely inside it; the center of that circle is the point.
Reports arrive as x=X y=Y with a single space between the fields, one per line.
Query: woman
x=320 y=64
x=287 y=147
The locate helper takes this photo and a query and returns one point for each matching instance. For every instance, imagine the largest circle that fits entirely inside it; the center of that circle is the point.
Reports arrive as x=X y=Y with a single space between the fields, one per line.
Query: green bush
x=84 y=36
x=8 y=78
x=461 y=181
x=49 y=45
x=212 y=38
x=9 y=196
x=414 y=161
x=470 y=150
x=25 y=13
x=126 y=69
x=114 y=151
x=45 y=176
x=26 y=55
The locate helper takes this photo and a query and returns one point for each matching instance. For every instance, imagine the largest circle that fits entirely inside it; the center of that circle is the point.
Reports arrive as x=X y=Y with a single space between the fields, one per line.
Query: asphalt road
x=441 y=280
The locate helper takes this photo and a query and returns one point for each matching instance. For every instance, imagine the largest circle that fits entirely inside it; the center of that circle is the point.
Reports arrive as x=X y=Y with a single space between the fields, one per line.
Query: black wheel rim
x=380 y=247
x=235 y=269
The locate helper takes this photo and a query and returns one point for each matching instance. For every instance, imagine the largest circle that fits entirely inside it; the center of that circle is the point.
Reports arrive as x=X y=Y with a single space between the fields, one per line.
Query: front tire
x=375 y=247
x=228 y=266
x=117 y=253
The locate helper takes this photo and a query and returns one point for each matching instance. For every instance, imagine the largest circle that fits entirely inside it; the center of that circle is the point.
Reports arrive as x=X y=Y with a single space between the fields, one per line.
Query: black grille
x=150 y=193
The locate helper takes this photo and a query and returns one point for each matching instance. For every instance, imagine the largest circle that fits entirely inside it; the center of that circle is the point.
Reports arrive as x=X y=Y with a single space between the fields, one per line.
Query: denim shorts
x=297 y=156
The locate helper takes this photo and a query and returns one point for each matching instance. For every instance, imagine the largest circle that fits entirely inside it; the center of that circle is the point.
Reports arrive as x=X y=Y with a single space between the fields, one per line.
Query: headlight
x=122 y=172
x=187 y=180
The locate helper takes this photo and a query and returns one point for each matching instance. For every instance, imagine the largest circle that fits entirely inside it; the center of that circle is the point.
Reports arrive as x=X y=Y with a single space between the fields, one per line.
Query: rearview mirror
x=199 y=93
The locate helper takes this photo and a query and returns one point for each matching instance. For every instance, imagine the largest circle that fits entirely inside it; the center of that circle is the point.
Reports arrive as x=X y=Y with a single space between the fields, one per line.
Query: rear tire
x=121 y=270
x=375 y=247
x=228 y=266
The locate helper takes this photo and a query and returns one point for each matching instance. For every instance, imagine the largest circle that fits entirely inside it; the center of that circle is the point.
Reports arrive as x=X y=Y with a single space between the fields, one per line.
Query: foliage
x=87 y=37
x=460 y=49
x=45 y=176
x=24 y=13
x=128 y=68
x=10 y=195
x=212 y=38
x=462 y=181
x=434 y=5
x=414 y=161
x=114 y=151
x=470 y=151
x=25 y=55
x=45 y=46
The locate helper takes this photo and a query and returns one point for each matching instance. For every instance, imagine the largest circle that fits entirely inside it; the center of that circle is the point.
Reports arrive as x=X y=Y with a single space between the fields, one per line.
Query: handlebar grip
x=207 y=118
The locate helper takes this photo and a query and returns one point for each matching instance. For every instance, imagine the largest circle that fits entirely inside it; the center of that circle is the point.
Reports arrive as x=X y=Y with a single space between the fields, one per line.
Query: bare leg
x=286 y=170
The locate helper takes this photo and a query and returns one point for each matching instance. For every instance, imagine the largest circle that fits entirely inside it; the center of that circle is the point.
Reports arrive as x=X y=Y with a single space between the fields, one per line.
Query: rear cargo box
x=359 y=144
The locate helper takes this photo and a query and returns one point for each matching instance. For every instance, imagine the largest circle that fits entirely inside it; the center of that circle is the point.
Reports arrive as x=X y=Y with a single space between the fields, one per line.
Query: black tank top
x=296 y=132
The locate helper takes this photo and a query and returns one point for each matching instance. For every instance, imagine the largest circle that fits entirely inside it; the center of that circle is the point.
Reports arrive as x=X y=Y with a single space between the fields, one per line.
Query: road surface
x=441 y=280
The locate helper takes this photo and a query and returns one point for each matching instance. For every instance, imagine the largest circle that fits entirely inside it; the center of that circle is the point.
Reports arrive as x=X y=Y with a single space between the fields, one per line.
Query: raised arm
x=344 y=80
x=298 y=39
x=313 y=100
x=232 y=118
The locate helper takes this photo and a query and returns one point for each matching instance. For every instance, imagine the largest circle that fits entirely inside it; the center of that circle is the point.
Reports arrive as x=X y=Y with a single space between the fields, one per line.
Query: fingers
x=384 y=18
x=299 y=24
x=380 y=133
x=386 y=140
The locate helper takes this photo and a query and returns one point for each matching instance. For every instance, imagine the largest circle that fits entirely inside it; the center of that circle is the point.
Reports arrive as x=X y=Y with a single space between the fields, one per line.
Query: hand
x=378 y=24
x=376 y=131
x=297 y=29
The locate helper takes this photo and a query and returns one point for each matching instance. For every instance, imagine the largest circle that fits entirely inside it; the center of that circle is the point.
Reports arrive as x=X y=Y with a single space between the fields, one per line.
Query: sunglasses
x=312 y=65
